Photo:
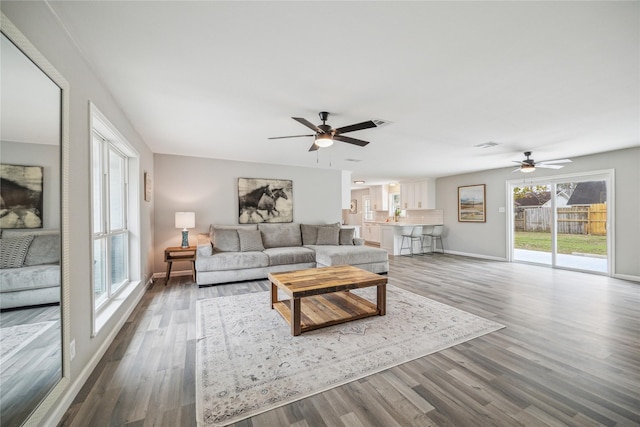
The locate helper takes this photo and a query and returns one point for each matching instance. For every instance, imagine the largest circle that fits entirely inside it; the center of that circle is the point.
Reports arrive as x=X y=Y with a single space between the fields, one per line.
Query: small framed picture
x=353 y=207
x=471 y=203
x=148 y=186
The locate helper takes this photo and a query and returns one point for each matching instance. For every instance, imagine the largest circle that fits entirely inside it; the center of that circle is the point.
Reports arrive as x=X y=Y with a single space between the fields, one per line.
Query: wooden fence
x=590 y=219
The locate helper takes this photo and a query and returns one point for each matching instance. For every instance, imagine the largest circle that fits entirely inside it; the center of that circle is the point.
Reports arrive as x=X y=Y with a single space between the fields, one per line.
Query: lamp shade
x=185 y=220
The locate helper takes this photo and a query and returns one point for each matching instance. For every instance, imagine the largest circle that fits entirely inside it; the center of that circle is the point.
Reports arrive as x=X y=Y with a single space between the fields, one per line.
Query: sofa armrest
x=205 y=247
x=357 y=241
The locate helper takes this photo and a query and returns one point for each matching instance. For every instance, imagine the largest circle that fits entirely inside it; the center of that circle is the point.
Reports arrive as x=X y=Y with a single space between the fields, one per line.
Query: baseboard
x=627 y=277
x=493 y=258
x=59 y=410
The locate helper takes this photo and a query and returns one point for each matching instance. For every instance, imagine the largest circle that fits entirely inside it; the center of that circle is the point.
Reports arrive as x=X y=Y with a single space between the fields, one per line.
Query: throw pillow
x=309 y=234
x=250 y=240
x=13 y=251
x=225 y=240
x=45 y=249
x=328 y=236
x=346 y=236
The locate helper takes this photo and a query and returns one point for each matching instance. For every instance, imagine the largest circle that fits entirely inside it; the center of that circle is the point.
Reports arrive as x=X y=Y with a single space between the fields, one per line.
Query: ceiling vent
x=487 y=144
x=379 y=122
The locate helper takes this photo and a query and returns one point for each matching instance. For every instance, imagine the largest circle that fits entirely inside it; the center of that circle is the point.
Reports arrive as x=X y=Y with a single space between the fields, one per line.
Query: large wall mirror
x=34 y=278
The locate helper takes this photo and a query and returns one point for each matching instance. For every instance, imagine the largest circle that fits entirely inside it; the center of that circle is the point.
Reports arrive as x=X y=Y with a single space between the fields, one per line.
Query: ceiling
x=216 y=79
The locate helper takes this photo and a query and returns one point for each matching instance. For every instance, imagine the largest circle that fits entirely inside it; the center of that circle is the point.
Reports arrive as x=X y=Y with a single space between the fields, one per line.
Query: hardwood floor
x=569 y=355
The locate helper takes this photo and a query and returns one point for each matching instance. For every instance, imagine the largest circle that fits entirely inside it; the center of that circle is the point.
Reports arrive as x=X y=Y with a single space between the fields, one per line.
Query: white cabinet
x=371 y=232
x=379 y=198
x=417 y=195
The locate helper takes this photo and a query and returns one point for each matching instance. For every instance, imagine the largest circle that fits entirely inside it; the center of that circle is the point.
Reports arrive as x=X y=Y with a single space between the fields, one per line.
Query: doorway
x=562 y=221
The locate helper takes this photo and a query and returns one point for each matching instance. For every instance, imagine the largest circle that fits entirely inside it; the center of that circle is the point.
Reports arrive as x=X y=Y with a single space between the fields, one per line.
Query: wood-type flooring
x=569 y=355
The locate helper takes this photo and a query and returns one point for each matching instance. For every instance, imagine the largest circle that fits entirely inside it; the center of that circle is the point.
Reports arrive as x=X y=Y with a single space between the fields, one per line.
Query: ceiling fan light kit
x=325 y=135
x=529 y=165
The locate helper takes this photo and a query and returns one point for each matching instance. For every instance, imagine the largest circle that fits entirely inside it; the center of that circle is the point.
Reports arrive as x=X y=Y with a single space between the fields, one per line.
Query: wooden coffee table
x=320 y=297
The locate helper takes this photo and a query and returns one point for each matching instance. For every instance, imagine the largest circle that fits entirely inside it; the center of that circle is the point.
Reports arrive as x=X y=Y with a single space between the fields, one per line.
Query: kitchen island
x=391 y=232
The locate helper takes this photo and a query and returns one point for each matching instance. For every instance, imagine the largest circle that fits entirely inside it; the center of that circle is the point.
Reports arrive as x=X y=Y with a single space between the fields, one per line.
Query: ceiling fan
x=529 y=165
x=325 y=134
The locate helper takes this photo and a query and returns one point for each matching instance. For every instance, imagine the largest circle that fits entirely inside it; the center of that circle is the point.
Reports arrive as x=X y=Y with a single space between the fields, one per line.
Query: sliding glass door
x=562 y=221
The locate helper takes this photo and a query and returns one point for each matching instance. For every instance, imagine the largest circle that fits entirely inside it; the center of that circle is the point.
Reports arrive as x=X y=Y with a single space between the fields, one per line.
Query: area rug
x=15 y=338
x=247 y=361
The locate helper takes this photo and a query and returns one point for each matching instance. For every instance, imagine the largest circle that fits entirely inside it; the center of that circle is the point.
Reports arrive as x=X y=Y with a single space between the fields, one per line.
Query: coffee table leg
x=295 y=317
x=274 y=294
x=382 y=299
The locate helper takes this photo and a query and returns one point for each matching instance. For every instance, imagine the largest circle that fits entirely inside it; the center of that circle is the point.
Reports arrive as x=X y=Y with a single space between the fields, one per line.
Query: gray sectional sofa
x=29 y=268
x=233 y=253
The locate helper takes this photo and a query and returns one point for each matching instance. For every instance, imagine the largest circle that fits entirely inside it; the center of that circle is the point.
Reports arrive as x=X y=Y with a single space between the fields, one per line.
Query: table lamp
x=185 y=220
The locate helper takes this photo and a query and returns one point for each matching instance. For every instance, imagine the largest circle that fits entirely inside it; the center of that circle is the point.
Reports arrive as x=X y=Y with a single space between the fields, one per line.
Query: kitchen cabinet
x=379 y=198
x=371 y=232
x=417 y=195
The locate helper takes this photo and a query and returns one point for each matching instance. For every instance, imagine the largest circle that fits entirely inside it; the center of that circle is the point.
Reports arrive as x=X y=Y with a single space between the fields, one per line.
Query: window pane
x=118 y=261
x=116 y=191
x=99 y=272
x=97 y=186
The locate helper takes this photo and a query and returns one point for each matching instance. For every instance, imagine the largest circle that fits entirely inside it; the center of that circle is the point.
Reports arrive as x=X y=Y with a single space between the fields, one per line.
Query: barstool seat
x=413 y=236
x=433 y=236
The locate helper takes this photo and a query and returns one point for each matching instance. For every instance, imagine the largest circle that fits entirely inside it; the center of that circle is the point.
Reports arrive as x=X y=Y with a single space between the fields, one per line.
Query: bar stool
x=414 y=235
x=434 y=235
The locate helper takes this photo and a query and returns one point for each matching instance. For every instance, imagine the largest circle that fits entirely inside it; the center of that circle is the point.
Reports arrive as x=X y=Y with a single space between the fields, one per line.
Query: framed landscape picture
x=22 y=198
x=265 y=200
x=471 y=203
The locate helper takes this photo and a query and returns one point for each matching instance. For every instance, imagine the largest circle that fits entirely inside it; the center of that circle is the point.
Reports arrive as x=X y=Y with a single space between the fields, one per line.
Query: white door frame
x=607 y=175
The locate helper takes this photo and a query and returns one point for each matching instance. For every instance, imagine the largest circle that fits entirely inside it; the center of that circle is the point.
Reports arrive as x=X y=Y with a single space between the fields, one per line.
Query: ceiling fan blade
x=553 y=162
x=358 y=126
x=350 y=140
x=314 y=147
x=548 y=166
x=516 y=170
x=292 y=136
x=308 y=124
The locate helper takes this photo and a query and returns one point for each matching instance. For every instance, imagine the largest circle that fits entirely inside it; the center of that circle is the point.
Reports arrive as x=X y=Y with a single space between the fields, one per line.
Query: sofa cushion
x=225 y=240
x=290 y=255
x=346 y=236
x=352 y=255
x=328 y=236
x=280 y=235
x=232 y=261
x=45 y=249
x=250 y=240
x=13 y=251
x=29 y=278
x=310 y=232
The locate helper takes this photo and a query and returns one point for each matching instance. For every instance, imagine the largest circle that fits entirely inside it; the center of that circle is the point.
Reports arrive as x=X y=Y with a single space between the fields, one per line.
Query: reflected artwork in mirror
x=33 y=365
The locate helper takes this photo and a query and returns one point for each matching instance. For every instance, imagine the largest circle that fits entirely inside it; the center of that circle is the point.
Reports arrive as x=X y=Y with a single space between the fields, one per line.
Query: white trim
x=472 y=255
x=627 y=277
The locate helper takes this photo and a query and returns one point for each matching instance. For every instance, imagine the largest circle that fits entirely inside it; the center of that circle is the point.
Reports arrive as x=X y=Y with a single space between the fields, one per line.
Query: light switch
x=501 y=210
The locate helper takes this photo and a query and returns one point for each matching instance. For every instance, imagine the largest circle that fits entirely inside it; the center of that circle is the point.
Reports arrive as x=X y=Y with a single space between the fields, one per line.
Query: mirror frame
x=12 y=33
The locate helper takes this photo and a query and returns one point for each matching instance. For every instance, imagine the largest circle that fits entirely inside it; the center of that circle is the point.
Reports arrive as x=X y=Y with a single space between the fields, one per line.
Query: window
x=115 y=218
x=366 y=211
x=110 y=233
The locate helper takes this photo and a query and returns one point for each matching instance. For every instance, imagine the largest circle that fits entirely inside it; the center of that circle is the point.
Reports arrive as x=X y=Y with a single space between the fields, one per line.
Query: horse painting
x=264 y=200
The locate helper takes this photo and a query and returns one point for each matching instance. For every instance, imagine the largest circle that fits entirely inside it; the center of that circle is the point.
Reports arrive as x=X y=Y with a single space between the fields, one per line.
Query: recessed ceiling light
x=487 y=144
x=352 y=160
x=358 y=181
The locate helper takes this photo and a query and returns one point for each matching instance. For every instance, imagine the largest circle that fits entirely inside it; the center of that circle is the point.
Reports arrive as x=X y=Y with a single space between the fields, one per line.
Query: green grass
x=567 y=243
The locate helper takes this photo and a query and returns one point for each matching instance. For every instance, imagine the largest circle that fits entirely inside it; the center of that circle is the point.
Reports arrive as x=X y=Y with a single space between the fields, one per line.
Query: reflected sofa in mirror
x=32 y=363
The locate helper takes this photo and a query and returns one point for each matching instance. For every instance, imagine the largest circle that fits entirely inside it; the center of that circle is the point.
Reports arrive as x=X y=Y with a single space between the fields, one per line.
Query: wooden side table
x=177 y=253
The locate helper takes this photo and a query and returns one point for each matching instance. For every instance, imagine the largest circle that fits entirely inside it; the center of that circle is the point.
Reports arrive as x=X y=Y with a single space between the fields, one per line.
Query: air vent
x=380 y=122
x=487 y=144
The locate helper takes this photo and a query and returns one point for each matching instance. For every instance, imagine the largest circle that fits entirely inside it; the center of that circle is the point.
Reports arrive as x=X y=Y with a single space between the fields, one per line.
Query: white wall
x=47 y=156
x=37 y=23
x=209 y=187
x=489 y=239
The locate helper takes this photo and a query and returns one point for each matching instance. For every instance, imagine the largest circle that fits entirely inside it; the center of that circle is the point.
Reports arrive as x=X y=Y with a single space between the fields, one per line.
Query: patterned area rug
x=247 y=361
x=15 y=338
